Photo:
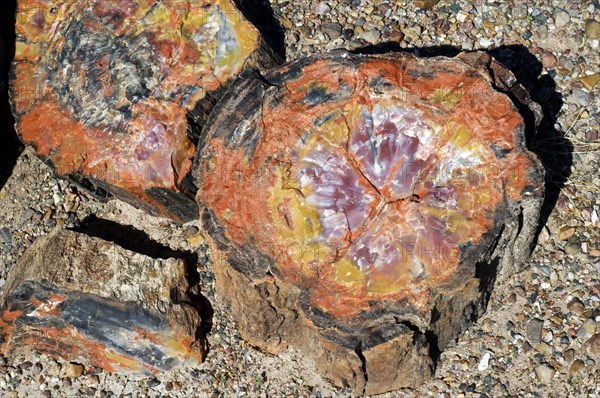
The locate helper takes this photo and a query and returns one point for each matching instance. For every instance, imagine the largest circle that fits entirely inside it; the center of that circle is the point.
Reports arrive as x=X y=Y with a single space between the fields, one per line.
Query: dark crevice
x=434 y=348
x=492 y=248
x=131 y=238
x=520 y=220
x=429 y=335
x=87 y=185
x=410 y=198
x=266 y=83
x=206 y=312
x=138 y=241
x=359 y=353
x=486 y=272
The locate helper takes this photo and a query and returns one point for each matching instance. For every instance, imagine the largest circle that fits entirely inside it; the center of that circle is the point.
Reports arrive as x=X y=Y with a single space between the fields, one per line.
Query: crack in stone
x=359 y=353
x=430 y=336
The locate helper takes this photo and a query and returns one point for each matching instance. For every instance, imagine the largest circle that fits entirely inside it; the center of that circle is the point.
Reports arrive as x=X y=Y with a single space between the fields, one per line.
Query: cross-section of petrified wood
x=87 y=300
x=104 y=89
x=359 y=206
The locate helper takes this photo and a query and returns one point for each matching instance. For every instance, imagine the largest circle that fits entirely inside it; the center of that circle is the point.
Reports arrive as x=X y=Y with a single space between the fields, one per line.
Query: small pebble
x=592 y=346
x=587 y=330
x=545 y=373
x=333 y=30
x=549 y=61
x=519 y=11
x=94 y=380
x=320 y=8
x=74 y=370
x=371 y=36
x=484 y=363
x=562 y=19
x=576 y=306
x=26 y=365
x=581 y=97
x=37 y=368
x=576 y=366
x=569 y=355
x=152 y=383
x=589 y=81
x=534 y=331
x=592 y=30
x=485 y=42
x=5 y=235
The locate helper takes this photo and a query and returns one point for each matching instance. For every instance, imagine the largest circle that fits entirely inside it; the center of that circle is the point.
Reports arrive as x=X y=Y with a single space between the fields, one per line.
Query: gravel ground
x=542 y=326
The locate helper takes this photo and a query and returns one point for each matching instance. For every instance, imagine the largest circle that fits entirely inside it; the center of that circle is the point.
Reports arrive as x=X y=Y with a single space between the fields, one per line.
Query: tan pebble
x=566 y=233
x=48 y=214
x=425 y=4
x=592 y=346
x=544 y=349
x=545 y=373
x=576 y=306
x=564 y=71
x=74 y=370
x=576 y=367
x=196 y=240
x=589 y=81
x=592 y=30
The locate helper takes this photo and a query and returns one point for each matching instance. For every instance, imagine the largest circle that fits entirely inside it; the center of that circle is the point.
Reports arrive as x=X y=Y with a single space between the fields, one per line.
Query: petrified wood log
x=105 y=89
x=87 y=300
x=359 y=206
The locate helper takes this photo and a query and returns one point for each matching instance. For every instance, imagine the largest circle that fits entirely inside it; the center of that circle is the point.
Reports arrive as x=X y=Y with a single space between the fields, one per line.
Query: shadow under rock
x=10 y=146
x=552 y=148
x=550 y=145
x=138 y=241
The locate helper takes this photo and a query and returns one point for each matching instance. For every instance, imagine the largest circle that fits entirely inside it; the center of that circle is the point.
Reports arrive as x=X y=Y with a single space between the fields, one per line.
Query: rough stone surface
x=102 y=88
x=90 y=301
x=362 y=206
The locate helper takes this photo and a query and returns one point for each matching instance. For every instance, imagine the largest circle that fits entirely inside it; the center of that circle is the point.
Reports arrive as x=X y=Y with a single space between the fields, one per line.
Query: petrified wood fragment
x=104 y=89
x=87 y=300
x=359 y=206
